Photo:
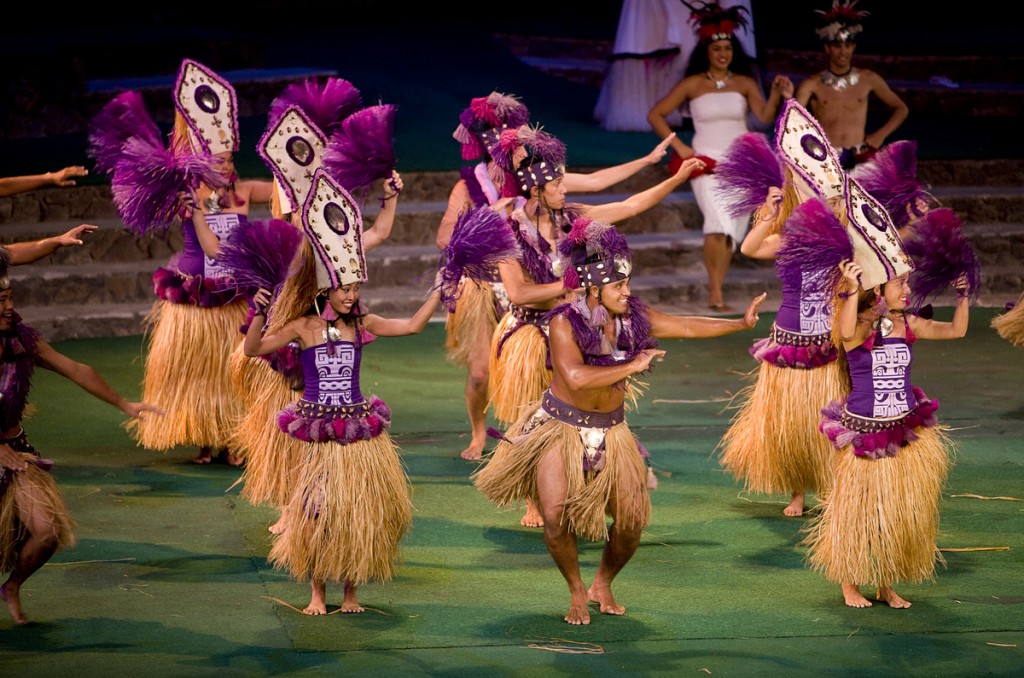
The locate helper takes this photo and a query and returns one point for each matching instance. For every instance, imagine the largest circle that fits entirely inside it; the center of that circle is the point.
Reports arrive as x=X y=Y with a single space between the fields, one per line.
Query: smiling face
x=897 y=292
x=6 y=309
x=840 y=56
x=720 y=54
x=343 y=298
x=615 y=296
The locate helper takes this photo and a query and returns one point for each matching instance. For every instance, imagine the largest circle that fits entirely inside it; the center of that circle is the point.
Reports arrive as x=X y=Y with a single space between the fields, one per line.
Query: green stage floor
x=170 y=577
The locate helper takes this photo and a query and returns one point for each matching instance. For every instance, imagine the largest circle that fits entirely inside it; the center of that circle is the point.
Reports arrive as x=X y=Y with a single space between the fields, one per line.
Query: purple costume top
x=801 y=336
x=332 y=407
x=193 y=278
x=880 y=379
x=883 y=409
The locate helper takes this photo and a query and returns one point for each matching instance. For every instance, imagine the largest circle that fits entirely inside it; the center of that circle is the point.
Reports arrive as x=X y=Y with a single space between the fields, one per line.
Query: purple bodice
x=803 y=309
x=192 y=260
x=332 y=373
x=880 y=378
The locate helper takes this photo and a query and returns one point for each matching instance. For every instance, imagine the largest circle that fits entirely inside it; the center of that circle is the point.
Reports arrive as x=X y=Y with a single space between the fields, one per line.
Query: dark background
x=427 y=58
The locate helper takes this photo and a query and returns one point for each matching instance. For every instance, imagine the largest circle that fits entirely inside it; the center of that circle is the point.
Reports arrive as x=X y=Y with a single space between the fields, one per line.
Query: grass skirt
x=33 y=482
x=270 y=458
x=188 y=375
x=1010 y=325
x=773 y=444
x=519 y=376
x=619 y=489
x=880 y=519
x=475 y=313
x=348 y=510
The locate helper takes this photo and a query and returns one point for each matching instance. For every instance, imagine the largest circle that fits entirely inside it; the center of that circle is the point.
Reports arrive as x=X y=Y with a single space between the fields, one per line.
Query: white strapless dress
x=718 y=119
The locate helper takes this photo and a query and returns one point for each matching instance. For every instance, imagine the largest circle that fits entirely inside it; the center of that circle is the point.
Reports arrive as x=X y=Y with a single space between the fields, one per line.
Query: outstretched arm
x=614 y=212
x=401 y=327
x=602 y=179
x=27 y=252
x=64 y=177
x=567 y=360
x=665 y=326
x=90 y=380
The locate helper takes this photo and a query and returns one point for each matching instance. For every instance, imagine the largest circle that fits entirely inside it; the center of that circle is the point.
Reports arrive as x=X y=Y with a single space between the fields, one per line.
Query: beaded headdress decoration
x=597 y=255
x=293 y=149
x=876 y=242
x=803 y=146
x=543 y=156
x=208 y=106
x=334 y=225
x=841 y=22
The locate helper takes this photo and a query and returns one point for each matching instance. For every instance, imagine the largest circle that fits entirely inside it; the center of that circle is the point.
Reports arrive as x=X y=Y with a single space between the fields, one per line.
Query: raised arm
x=765 y=111
x=90 y=380
x=602 y=179
x=401 y=327
x=758 y=244
x=615 y=212
x=64 y=177
x=934 y=329
x=255 y=343
x=381 y=229
x=665 y=326
x=458 y=202
x=28 y=252
x=847 y=322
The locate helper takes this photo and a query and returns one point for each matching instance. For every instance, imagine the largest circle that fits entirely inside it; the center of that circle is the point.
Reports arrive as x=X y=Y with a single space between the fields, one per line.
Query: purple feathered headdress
x=122 y=118
x=481 y=238
x=361 y=150
x=325 y=103
x=814 y=243
x=597 y=254
x=891 y=178
x=747 y=169
x=544 y=160
x=941 y=254
x=484 y=119
x=148 y=181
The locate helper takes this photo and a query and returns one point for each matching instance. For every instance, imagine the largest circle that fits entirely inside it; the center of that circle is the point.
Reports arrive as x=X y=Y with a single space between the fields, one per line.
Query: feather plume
x=481 y=238
x=326 y=103
x=148 y=179
x=891 y=178
x=814 y=243
x=941 y=254
x=262 y=253
x=747 y=169
x=541 y=146
x=122 y=118
x=361 y=150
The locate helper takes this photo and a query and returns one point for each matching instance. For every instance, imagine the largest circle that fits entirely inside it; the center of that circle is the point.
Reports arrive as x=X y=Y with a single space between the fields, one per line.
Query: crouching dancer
x=572 y=451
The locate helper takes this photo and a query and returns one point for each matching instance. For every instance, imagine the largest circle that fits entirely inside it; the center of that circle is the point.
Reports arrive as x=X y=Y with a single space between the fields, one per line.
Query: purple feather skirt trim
x=196 y=290
x=873 y=438
x=343 y=424
x=797 y=351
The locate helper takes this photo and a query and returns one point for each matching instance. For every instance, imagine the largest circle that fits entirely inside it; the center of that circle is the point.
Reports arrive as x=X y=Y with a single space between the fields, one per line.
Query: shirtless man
x=581 y=474
x=839 y=96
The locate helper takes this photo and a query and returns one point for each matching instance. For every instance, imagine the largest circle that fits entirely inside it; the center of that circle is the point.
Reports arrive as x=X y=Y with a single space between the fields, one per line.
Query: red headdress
x=714 y=22
x=841 y=22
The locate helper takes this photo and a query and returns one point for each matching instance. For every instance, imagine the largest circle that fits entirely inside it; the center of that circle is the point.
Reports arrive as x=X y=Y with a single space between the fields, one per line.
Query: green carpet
x=170 y=577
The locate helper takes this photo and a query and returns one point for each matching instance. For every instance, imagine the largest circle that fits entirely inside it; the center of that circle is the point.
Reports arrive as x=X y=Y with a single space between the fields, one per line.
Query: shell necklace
x=719 y=84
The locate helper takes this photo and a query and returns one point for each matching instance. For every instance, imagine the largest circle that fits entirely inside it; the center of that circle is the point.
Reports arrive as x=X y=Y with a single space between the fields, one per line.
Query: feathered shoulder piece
x=326 y=103
x=361 y=149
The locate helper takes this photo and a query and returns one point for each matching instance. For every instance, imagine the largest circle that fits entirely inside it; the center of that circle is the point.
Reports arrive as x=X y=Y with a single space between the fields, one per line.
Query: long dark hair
x=699 y=62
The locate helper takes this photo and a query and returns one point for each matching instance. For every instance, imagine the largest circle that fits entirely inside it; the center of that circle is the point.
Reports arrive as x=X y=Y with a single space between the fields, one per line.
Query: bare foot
x=473 y=452
x=602 y=595
x=279 y=526
x=318 y=599
x=853 y=596
x=204 y=456
x=533 y=517
x=226 y=456
x=887 y=595
x=578 y=612
x=350 y=605
x=9 y=592
x=795 y=508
